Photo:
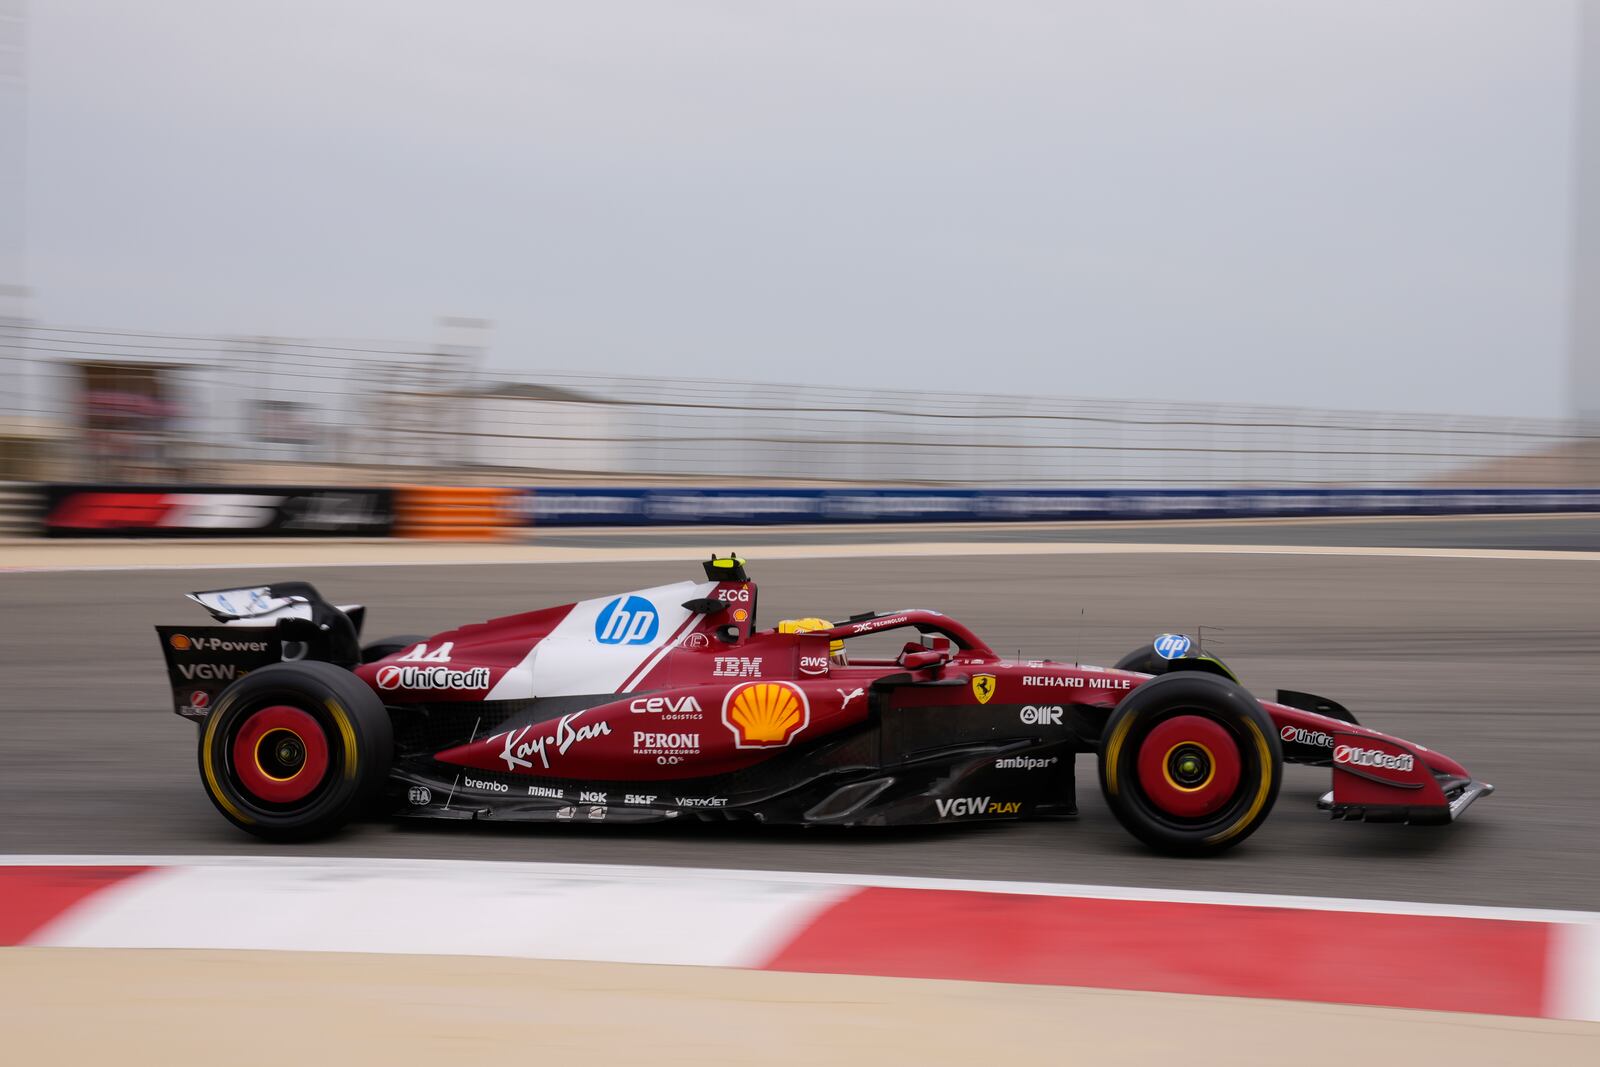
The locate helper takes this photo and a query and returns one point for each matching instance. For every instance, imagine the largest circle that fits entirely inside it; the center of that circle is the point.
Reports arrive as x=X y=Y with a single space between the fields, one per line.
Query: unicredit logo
x=1300 y=735
x=433 y=678
x=1371 y=757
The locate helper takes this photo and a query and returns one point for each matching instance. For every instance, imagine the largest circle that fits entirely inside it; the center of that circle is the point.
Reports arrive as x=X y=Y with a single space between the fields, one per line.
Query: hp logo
x=627 y=621
x=1172 y=646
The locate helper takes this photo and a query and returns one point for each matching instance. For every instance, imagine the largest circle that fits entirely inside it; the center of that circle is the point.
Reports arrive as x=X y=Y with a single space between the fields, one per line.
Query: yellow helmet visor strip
x=806 y=626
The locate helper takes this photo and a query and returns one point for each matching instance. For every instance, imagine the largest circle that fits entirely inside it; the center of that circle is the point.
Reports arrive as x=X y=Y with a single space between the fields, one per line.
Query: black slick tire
x=1190 y=763
x=293 y=751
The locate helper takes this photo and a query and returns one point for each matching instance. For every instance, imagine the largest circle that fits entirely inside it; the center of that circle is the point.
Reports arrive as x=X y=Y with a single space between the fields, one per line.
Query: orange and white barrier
x=455 y=513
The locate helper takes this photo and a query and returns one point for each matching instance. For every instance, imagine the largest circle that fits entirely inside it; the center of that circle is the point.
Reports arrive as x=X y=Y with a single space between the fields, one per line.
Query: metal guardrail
x=119 y=406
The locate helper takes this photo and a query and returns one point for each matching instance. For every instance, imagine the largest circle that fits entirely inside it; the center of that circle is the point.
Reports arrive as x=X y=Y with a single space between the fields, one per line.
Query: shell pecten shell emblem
x=765 y=714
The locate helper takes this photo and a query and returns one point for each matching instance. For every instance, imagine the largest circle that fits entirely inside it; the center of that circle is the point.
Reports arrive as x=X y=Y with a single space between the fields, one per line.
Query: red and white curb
x=1506 y=961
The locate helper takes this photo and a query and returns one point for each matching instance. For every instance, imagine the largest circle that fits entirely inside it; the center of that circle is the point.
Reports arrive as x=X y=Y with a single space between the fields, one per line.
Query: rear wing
x=254 y=626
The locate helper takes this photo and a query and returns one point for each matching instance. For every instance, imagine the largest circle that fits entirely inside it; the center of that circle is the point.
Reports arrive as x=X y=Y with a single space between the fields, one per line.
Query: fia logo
x=628 y=620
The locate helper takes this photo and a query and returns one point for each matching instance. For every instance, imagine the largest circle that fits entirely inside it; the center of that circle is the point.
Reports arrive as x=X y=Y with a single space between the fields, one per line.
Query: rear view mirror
x=921 y=661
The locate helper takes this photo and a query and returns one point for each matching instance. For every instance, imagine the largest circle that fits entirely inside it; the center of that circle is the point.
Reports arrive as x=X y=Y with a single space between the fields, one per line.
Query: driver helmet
x=836 y=651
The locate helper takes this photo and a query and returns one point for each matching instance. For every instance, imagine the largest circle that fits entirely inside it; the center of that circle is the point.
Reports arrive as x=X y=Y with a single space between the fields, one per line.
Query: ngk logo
x=433 y=678
x=1352 y=756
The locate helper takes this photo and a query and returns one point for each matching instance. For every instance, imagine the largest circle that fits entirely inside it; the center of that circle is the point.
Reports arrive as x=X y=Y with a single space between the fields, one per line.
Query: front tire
x=1190 y=763
x=294 y=751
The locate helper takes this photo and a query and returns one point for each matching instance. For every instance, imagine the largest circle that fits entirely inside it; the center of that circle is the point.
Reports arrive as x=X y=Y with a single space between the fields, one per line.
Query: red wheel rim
x=1189 y=766
x=280 y=754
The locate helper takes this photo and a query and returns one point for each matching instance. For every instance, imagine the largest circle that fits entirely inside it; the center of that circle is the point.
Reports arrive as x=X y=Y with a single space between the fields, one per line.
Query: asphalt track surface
x=1490 y=660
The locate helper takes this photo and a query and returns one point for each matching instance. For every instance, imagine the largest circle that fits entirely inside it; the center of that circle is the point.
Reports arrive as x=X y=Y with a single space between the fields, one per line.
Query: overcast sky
x=1348 y=203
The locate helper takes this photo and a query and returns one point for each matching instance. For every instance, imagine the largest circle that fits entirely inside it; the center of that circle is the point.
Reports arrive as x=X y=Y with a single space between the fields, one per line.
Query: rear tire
x=295 y=750
x=1190 y=763
x=1144 y=660
x=388 y=646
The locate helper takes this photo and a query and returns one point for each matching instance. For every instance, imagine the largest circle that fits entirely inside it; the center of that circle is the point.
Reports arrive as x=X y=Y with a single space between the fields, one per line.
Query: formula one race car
x=668 y=703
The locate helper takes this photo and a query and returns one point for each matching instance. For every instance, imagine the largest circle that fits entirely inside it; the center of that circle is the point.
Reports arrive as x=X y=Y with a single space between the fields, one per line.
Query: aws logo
x=765 y=714
x=628 y=620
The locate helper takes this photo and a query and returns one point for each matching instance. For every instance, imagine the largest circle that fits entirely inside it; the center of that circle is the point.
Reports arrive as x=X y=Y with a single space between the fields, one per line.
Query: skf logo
x=765 y=714
x=179 y=642
x=983 y=687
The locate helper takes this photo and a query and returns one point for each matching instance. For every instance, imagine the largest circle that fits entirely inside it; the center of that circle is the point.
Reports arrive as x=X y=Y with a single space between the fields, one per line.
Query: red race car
x=669 y=703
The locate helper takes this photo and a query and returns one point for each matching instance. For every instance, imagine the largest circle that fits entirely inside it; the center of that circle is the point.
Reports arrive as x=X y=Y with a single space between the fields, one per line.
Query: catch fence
x=119 y=406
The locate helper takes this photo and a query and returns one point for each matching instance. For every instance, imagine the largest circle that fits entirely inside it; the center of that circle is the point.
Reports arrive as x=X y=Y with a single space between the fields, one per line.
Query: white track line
x=639 y=872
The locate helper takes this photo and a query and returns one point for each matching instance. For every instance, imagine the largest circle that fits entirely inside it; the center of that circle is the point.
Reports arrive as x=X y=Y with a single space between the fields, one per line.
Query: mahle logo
x=627 y=621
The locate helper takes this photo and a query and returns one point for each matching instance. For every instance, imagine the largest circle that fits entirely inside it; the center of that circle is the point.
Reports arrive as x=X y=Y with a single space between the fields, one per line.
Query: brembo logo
x=484 y=783
x=1301 y=736
x=433 y=678
x=1371 y=757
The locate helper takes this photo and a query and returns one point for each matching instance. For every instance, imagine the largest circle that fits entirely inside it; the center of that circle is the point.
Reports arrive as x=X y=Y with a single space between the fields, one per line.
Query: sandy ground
x=240 y=1008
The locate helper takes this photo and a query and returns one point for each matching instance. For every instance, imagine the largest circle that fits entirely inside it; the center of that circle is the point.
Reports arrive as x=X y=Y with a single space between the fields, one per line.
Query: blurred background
x=900 y=244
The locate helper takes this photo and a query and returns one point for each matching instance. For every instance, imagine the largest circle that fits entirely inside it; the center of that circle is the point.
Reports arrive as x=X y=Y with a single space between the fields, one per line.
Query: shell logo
x=765 y=714
x=179 y=642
